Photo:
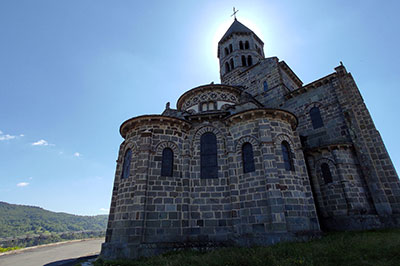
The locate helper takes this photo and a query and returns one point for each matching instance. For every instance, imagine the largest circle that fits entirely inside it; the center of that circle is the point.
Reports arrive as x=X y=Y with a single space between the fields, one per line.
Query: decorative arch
x=129 y=144
x=288 y=149
x=127 y=147
x=250 y=139
x=208 y=128
x=283 y=137
x=247 y=164
x=167 y=144
x=312 y=105
x=170 y=164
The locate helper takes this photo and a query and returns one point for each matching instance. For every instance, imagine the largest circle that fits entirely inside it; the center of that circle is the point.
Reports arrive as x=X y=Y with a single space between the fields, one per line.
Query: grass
x=8 y=249
x=345 y=248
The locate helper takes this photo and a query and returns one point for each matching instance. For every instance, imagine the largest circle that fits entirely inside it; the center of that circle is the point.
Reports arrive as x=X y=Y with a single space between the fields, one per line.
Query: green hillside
x=18 y=220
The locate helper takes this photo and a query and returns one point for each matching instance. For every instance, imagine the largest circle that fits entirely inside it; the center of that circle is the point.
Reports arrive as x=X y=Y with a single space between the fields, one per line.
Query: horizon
x=73 y=72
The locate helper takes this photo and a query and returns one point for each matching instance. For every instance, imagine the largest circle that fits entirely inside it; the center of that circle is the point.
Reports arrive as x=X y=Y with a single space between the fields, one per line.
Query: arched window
x=316 y=118
x=230 y=48
x=127 y=164
x=167 y=163
x=249 y=60
x=326 y=173
x=287 y=156
x=248 y=158
x=232 y=65
x=227 y=69
x=243 y=60
x=226 y=51
x=246 y=45
x=265 y=85
x=241 y=45
x=208 y=156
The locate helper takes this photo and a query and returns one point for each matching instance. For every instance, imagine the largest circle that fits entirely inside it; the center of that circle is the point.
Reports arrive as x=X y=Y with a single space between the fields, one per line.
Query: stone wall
x=151 y=213
x=377 y=166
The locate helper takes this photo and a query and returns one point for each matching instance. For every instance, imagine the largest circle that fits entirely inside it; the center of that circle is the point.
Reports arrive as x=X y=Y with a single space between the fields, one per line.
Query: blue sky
x=72 y=71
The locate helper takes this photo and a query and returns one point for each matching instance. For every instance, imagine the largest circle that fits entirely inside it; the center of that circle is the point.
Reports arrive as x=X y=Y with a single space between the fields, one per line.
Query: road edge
x=46 y=245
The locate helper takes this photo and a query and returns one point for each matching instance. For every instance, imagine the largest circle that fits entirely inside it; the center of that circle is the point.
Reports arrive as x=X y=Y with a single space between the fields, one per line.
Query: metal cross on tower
x=234 y=13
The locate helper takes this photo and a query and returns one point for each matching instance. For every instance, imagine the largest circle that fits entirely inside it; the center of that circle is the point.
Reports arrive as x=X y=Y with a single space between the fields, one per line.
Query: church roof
x=236 y=27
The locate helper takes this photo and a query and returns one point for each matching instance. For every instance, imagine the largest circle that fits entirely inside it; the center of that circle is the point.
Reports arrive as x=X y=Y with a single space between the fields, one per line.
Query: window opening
x=227 y=69
x=287 y=156
x=127 y=164
x=316 y=118
x=243 y=60
x=248 y=158
x=167 y=163
x=249 y=60
x=208 y=156
x=326 y=173
x=265 y=85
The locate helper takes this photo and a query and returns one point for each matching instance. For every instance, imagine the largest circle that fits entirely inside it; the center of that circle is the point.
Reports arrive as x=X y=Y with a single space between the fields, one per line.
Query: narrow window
x=226 y=51
x=204 y=107
x=287 y=156
x=230 y=48
x=243 y=60
x=265 y=85
x=326 y=173
x=210 y=106
x=232 y=66
x=208 y=156
x=227 y=67
x=248 y=158
x=316 y=118
x=167 y=163
x=246 y=45
x=249 y=60
x=241 y=45
x=127 y=164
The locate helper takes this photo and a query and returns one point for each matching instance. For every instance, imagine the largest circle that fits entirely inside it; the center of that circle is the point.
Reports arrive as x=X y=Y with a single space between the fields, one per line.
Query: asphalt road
x=60 y=254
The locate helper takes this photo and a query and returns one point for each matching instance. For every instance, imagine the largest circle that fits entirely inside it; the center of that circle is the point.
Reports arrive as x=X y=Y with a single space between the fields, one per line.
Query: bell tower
x=239 y=49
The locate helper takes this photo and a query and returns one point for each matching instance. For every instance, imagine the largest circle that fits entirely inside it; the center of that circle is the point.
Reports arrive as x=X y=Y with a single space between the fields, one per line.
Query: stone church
x=257 y=159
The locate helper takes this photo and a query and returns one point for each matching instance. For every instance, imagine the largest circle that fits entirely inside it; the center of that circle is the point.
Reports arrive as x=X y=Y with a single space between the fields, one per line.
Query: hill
x=19 y=220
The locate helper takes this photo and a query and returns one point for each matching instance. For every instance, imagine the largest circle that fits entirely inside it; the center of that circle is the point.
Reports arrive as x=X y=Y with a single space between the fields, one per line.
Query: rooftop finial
x=234 y=13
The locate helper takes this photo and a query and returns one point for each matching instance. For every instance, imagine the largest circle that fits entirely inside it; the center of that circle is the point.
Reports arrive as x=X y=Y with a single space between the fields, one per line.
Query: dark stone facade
x=263 y=104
